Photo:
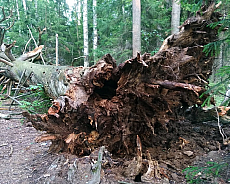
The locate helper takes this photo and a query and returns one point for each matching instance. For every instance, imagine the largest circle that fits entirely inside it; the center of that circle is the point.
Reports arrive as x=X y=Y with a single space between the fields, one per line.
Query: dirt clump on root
x=184 y=143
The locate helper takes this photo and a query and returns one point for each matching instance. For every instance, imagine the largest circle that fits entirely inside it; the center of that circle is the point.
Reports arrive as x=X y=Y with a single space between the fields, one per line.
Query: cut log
x=109 y=105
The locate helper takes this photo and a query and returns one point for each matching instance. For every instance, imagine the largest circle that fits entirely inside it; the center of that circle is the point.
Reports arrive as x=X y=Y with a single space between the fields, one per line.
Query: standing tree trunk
x=36 y=7
x=136 y=27
x=2 y=28
x=78 y=19
x=17 y=9
x=56 y=49
x=112 y=105
x=24 y=6
x=85 y=32
x=78 y=12
x=94 y=29
x=218 y=62
x=175 y=21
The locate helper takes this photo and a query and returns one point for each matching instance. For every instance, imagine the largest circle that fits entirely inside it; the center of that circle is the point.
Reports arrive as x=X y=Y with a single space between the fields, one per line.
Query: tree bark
x=175 y=20
x=24 y=6
x=85 y=32
x=78 y=12
x=111 y=105
x=136 y=27
x=17 y=9
x=56 y=49
x=94 y=29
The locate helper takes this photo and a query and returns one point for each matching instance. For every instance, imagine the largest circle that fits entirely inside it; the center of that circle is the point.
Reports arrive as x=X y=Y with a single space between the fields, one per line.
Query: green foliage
x=196 y=174
x=37 y=101
x=212 y=48
x=50 y=14
x=114 y=19
x=195 y=5
x=114 y=25
x=218 y=90
x=155 y=24
x=192 y=6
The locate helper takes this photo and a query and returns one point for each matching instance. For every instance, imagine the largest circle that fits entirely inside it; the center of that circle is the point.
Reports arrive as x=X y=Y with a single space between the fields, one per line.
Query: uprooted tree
x=112 y=105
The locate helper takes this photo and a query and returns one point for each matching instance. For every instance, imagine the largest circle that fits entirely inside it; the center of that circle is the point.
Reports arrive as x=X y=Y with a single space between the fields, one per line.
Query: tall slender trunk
x=24 y=6
x=219 y=61
x=78 y=12
x=17 y=9
x=175 y=21
x=36 y=7
x=56 y=49
x=94 y=29
x=136 y=27
x=85 y=33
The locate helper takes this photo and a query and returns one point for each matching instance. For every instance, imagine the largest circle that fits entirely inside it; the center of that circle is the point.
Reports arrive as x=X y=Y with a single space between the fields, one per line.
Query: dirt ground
x=186 y=143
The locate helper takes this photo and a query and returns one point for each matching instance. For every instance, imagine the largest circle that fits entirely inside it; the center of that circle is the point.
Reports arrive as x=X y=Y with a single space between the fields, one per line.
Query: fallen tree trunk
x=110 y=105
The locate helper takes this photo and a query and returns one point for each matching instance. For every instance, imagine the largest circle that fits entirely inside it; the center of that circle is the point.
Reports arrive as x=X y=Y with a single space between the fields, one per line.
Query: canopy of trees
x=114 y=25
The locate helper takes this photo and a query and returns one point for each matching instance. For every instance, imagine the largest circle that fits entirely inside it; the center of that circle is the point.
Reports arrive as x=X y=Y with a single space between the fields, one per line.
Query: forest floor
x=23 y=161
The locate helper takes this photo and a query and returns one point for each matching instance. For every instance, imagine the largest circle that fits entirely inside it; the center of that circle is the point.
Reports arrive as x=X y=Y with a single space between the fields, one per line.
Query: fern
x=222 y=24
x=195 y=174
x=213 y=48
x=216 y=89
x=37 y=101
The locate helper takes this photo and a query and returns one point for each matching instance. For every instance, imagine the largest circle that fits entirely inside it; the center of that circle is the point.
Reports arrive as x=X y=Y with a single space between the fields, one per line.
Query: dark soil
x=22 y=160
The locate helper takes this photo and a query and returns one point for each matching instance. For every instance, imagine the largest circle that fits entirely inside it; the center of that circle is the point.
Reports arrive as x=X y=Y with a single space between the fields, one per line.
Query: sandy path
x=17 y=151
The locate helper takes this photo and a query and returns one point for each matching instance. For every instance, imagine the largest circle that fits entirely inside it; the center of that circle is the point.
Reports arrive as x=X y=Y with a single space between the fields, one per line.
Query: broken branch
x=174 y=85
x=4 y=15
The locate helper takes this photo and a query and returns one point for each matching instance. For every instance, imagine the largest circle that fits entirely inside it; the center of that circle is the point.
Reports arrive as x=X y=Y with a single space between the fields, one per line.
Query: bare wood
x=5 y=116
x=32 y=36
x=15 y=100
x=9 y=87
x=45 y=137
x=6 y=81
x=36 y=44
x=26 y=45
x=153 y=169
x=76 y=59
x=18 y=85
x=4 y=56
x=173 y=85
x=11 y=150
x=31 y=54
x=5 y=144
x=2 y=79
x=8 y=50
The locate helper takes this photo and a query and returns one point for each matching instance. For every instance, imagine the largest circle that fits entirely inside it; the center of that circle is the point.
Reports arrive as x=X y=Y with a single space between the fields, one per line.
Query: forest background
x=113 y=28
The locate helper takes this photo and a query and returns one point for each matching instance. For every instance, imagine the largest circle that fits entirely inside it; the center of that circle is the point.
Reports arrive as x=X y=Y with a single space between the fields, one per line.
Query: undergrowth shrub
x=197 y=174
x=36 y=101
